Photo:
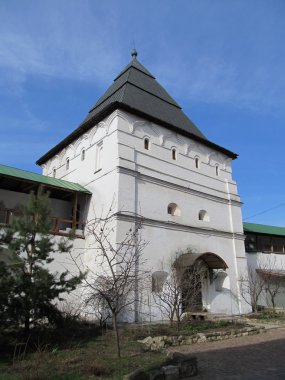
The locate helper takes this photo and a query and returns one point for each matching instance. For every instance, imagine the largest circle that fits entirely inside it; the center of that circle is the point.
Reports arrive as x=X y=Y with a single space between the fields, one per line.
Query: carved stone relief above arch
x=56 y=161
x=174 y=138
x=155 y=129
x=136 y=124
x=60 y=156
x=43 y=166
x=190 y=149
x=164 y=137
x=111 y=118
x=148 y=127
x=227 y=164
x=82 y=143
x=214 y=157
x=180 y=139
x=124 y=121
x=91 y=134
x=46 y=166
x=186 y=149
x=69 y=152
x=77 y=143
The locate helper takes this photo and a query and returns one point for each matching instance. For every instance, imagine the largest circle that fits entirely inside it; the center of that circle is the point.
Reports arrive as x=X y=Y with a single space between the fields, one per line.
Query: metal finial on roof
x=134 y=53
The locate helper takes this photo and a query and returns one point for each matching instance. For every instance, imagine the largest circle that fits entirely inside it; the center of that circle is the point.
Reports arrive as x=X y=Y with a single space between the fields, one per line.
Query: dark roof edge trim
x=85 y=126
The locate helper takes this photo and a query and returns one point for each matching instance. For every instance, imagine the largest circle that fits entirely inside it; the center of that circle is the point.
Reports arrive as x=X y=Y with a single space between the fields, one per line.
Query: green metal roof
x=263 y=229
x=42 y=179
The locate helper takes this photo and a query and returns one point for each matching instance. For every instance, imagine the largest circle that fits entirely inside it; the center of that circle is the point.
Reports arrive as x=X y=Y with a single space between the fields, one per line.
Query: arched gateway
x=196 y=271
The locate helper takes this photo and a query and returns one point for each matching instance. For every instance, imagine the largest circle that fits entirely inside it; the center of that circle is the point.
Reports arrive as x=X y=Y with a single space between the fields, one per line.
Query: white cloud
x=71 y=42
x=216 y=79
x=86 y=42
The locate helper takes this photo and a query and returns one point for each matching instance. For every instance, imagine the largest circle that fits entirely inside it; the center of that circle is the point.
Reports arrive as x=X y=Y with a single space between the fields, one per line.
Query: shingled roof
x=136 y=91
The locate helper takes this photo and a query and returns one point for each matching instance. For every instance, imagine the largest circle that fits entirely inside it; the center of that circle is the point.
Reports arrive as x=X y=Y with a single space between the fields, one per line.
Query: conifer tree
x=28 y=290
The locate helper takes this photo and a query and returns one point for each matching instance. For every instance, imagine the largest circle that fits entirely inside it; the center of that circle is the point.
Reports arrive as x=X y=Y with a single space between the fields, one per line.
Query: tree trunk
x=115 y=327
x=273 y=302
x=27 y=324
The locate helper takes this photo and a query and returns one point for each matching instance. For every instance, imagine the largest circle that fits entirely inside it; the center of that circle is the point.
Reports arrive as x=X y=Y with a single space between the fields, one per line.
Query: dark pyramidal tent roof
x=136 y=91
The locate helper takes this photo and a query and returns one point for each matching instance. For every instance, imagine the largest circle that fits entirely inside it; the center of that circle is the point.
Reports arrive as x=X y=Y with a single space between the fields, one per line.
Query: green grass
x=95 y=358
x=271 y=315
x=208 y=325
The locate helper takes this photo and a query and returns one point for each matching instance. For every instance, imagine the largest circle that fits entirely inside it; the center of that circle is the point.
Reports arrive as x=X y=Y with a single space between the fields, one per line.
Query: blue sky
x=222 y=60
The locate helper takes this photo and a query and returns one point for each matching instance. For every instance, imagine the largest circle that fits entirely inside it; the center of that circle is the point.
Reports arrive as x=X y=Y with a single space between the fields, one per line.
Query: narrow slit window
x=83 y=155
x=67 y=164
x=174 y=154
x=54 y=173
x=99 y=157
x=197 y=162
x=146 y=143
x=217 y=170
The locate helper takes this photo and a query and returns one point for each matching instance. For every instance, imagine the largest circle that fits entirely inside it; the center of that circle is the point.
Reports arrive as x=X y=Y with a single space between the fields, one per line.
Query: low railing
x=59 y=226
x=62 y=226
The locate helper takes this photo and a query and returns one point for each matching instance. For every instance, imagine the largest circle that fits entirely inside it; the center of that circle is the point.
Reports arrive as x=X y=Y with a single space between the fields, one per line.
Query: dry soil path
x=252 y=357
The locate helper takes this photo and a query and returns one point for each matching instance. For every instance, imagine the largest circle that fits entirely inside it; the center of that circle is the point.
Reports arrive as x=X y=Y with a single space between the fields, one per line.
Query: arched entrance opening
x=196 y=271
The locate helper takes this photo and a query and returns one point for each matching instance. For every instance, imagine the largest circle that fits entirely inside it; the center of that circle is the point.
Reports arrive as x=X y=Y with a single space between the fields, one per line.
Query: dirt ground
x=251 y=357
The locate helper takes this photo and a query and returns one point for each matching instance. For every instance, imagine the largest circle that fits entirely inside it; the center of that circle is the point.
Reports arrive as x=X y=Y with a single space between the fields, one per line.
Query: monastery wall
x=146 y=181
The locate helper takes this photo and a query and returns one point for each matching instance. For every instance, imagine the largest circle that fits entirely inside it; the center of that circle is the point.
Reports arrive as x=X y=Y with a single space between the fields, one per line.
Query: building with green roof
x=139 y=155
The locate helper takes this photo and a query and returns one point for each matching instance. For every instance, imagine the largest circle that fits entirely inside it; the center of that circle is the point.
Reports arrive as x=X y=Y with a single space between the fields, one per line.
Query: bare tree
x=274 y=283
x=268 y=278
x=167 y=294
x=272 y=274
x=181 y=290
x=251 y=288
x=115 y=275
x=99 y=308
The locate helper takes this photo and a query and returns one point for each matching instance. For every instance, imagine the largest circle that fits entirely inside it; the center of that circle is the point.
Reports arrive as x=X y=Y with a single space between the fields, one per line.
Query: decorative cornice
x=161 y=182
x=178 y=226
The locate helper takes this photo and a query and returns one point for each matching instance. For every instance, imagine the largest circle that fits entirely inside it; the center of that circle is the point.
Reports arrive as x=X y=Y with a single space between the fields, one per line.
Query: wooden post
x=7 y=216
x=75 y=199
x=271 y=244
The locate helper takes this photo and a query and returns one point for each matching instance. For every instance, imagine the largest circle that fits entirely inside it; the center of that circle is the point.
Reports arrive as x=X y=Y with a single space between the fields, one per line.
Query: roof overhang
x=21 y=181
x=263 y=229
x=89 y=123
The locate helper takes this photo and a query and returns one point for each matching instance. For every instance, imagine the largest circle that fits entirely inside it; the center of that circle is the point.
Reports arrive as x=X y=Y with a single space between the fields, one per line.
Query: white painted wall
x=273 y=262
x=146 y=181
